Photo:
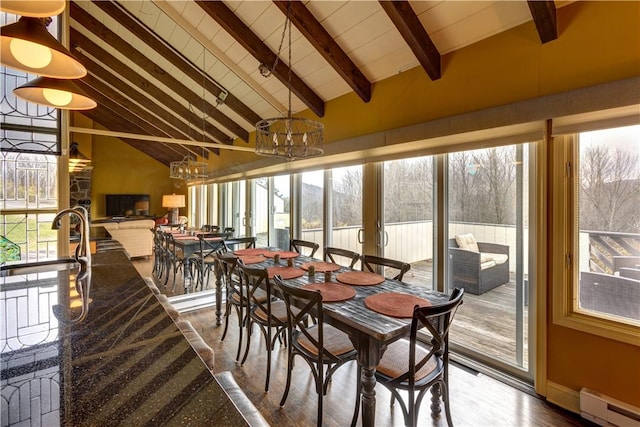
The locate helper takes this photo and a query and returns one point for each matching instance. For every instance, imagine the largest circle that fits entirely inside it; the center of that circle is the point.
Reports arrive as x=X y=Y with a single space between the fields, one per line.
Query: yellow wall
x=598 y=42
x=119 y=168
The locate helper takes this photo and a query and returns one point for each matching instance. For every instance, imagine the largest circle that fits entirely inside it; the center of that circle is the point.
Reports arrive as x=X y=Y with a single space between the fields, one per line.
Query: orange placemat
x=359 y=278
x=285 y=272
x=251 y=251
x=332 y=292
x=252 y=259
x=320 y=266
x=283 y=254
x=395 y=304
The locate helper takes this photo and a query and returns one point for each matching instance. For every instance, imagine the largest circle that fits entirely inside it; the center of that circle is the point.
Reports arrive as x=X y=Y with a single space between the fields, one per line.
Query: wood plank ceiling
x=190 y=70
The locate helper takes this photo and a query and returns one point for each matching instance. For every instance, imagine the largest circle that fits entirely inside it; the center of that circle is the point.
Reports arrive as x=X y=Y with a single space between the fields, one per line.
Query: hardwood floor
x=476 y=399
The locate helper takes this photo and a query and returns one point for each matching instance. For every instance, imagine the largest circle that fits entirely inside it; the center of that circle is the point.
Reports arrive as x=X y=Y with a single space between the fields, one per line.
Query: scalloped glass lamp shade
x=34 y=8
x=56 y=93
x=27 y=46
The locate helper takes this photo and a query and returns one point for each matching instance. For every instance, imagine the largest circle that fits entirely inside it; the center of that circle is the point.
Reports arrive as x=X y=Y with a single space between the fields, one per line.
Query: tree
x=609 y=190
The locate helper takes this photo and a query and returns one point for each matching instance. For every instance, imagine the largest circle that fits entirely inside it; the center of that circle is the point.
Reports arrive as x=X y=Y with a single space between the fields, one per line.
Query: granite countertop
x=125 y=362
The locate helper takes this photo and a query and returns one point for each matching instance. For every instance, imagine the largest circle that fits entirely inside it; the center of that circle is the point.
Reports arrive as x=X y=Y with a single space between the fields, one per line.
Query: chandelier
x=188 y=169
x=288 y=137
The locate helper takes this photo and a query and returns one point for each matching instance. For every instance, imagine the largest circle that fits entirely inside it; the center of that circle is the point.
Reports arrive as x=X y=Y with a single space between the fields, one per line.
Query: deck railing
x=603 y=246
x=412 y=242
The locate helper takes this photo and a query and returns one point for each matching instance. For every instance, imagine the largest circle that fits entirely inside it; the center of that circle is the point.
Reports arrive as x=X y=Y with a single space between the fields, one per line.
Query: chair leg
x=246 y=350
x=289 y=369
x=241 y=321
x=320 y=388
x=269 y=349
x=356 y=411
x=445 y=399
x=227 y=311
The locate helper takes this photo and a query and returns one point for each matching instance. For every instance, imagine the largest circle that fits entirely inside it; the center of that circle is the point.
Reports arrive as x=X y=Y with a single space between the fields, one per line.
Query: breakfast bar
x=122 y=361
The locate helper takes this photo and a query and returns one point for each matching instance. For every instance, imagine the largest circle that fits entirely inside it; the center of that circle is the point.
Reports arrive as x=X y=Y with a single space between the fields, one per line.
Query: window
x=608 y=223
x=30 y=141
x=29 y=203
x=595 y=188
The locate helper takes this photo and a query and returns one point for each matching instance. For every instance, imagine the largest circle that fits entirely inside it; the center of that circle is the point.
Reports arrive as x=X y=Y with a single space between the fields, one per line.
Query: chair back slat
x=334 y=255
x=309 y=303
x=437 y=319
x=232 y=243
x=298 y=245
x=369 y=263
x=253 y=279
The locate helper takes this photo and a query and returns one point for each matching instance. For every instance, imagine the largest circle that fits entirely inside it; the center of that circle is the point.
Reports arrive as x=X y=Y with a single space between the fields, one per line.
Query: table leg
x=218 y=274
x=369 y=354
x=187 y=275
x=435 y=401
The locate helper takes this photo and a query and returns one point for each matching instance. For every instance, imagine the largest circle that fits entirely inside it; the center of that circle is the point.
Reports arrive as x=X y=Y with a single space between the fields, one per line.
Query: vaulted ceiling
x=190 y=70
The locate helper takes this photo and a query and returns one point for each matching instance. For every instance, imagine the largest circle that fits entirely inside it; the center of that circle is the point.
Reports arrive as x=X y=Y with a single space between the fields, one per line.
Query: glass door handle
x=360 y=234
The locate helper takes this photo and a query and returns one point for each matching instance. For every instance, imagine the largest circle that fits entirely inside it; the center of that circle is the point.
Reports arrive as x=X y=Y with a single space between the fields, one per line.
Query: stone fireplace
x=80 y=188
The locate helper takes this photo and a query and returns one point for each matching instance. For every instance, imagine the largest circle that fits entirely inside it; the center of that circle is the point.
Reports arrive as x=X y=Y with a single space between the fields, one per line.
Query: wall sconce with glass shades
x=26 y=45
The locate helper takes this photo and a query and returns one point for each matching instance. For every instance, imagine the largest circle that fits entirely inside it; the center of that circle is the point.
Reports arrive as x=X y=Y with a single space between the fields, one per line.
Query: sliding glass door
x=311 y=216
x=271 y=211
x=487 y=241
x=407 y=228
x=344 y=208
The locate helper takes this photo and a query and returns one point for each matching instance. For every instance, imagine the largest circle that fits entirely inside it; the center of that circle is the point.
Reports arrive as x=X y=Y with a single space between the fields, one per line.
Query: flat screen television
x=127 y=204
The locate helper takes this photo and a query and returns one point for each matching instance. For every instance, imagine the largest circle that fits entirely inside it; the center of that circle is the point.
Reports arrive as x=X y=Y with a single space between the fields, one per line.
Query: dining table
x=370 y=331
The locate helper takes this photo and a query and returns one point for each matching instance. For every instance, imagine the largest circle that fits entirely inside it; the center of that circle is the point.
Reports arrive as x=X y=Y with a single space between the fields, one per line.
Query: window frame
x=563 y=240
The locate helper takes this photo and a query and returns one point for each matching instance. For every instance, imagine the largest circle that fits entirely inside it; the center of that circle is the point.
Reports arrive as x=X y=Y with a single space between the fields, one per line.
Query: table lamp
x=173 y=202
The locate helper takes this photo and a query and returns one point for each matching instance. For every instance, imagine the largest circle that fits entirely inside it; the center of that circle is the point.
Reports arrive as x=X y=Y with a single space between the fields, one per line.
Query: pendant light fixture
x=34 y=8
x=26 y=45
x=57 y=93
x=288 y=137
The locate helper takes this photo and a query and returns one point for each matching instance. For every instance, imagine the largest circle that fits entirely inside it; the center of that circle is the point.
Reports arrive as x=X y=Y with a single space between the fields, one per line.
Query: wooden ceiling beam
x=158 y=116
x=128 y=117
x=252 y=43
x=544 y=16
x=106 y=118
x=411 y=29
x=81 y=45
x=178 y=60
x=315 y=33
x=116 y=42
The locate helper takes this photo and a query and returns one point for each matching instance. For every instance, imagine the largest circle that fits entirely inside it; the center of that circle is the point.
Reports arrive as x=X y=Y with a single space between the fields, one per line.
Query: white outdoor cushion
x=485 y=258
x=498 y=258
x=487 y=264
x=467 y=242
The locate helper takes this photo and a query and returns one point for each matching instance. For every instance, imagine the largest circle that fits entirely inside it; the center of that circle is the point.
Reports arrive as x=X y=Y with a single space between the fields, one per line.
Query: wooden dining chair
x=298 y=245
x=174 y=259
x=335 y=255
x=235 y=295
x=205 y=259
x=268 y=313
x=414 y=367
x=399 y=268
x=320 y=345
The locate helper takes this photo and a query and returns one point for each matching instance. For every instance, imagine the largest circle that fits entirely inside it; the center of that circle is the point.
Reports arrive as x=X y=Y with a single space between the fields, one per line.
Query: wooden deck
x=485 y=323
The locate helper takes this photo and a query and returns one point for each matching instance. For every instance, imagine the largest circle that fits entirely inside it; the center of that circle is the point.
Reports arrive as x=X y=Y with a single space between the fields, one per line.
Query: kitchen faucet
x=83 y=250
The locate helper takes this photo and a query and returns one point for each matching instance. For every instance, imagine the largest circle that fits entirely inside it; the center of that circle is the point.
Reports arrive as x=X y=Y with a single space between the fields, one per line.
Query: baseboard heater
x=606 y=411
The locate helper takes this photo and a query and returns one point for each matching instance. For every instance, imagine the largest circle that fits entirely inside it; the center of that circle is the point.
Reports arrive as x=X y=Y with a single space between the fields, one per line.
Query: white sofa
x=135 y=236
